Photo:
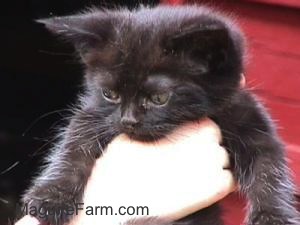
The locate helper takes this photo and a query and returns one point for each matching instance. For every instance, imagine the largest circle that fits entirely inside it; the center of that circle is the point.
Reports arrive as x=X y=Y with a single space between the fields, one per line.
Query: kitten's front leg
x=270 y=191
x=262 y=172
x=59 y=188
x=54 y=195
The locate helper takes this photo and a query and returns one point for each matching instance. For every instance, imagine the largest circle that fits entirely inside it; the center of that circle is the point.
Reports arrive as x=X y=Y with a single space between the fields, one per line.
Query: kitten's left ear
x=83 y=31
x=206 y=42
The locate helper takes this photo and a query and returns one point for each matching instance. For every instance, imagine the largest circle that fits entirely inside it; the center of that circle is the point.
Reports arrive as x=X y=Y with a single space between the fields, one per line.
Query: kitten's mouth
x=144 y=136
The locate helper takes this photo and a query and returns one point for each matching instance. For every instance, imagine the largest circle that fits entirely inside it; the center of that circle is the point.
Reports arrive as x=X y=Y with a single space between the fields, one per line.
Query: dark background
x=39 y=77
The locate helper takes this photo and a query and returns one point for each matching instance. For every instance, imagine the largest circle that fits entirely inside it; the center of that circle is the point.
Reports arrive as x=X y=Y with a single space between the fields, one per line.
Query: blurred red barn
x=272 y=28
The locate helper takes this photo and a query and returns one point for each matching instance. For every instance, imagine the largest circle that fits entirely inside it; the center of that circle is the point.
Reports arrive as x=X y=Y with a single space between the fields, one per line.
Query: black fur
x=195 y=56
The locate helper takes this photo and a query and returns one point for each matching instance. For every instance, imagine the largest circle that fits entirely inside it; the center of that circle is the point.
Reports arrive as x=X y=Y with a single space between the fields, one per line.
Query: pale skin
x=159 y=175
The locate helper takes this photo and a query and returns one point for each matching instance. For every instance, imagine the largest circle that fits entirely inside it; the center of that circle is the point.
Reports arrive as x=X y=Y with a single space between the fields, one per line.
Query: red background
x=272 y=28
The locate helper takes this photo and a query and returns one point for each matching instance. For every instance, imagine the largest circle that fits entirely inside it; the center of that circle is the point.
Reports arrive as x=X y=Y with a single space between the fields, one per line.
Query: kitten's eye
x=160 y=99
x=111 y=95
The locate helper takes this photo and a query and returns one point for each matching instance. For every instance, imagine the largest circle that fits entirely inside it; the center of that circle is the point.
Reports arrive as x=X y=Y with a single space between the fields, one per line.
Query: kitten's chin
x=144 y=137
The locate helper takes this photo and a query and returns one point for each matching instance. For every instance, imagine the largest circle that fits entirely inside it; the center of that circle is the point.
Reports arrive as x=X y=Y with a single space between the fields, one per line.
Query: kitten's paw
x=52 y=206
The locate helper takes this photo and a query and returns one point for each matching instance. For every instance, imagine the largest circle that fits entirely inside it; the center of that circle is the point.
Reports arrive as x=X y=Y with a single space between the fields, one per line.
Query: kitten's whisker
x=42 y=117
x=51 y=141
x=171 y=140
x=9 y=168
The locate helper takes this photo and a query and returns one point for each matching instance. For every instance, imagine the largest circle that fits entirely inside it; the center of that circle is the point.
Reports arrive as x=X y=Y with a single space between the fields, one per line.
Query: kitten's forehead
x=137 y=48
x=150 y=82
x=158 y=81
x=140 y=35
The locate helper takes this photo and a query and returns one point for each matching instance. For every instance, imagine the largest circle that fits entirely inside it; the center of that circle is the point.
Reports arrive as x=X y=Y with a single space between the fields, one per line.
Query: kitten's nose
x=129 y=122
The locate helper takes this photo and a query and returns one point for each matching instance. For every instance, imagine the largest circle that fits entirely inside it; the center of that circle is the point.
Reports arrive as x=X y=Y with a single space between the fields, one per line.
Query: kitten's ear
x=83 y=31
x=206 y=42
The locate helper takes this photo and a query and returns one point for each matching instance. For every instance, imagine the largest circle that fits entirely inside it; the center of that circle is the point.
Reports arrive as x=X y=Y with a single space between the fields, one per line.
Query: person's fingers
x=228 y=184
x=28 y=220
x=193 y=146
x=208 y=129
x=223 y=185
x=222 y=157
x=191 y=133
x=220 y=186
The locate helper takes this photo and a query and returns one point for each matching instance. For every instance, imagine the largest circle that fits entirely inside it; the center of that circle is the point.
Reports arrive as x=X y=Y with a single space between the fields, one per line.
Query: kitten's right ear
x=83 y=31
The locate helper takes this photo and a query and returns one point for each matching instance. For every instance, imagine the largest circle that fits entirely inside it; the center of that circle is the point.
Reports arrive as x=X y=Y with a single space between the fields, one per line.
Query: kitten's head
x=150 y=70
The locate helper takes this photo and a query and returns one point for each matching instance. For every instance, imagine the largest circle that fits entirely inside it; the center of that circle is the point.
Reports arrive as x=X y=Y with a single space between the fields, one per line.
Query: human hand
x=173 y=177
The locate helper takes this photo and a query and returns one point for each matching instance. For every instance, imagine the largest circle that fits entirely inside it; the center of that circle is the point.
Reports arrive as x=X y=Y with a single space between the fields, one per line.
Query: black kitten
x=149 y=71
